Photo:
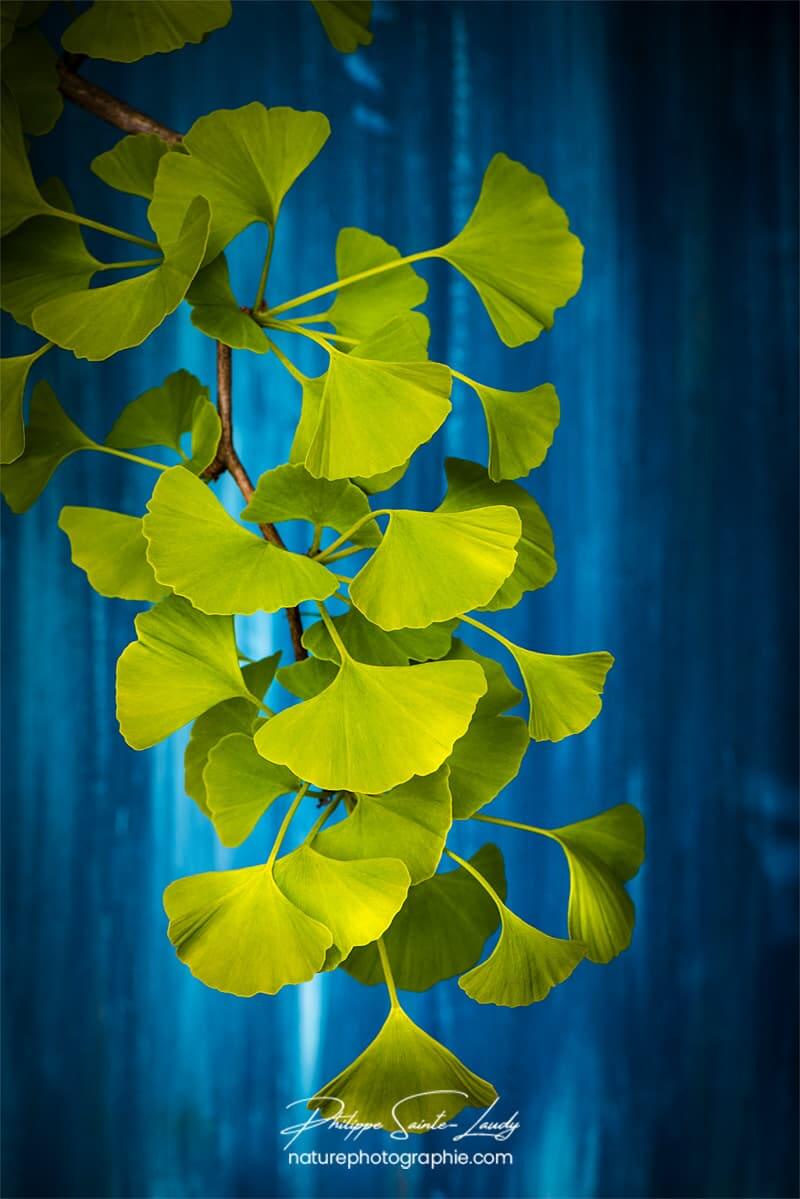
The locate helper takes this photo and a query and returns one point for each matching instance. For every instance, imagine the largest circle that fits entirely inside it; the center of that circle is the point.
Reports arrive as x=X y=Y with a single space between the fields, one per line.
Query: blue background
x=668 y=133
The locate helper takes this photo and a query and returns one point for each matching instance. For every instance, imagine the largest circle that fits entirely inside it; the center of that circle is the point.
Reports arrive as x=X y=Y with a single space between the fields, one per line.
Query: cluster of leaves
x=400 y=729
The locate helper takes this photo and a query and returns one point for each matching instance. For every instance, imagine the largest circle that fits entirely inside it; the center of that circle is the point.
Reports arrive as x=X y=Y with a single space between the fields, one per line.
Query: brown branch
x=130 y=120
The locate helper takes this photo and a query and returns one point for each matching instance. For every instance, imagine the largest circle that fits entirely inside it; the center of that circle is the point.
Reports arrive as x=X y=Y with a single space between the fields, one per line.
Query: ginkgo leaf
x=230 y=716
x=162 y=415
x=244 y=160
x=367 y=643
x=374 y=484
x=373 y=415
x=410 y=822
x=485 y=761
x=563 y=690
x=227 y=569
x=501 y=694
x=356 y=900
x=110 y=548
x=523 y=967
x=517 y=252
x=375 y=726
x=20 y=198
x=216 y=313
x=521 y=425
x=431 y=566
x=29 y=71
x=51 y=437
x=45 y=258
x=603 y=853
x=237 y=932
x=307 y=678
x=468 y=485
x=346 y=22
x=9 y=15
x=127 y=30
x=404 y=1080
x=189 y=660
x=240 y=785
x=132 y=164
x=361 y=309
x=441 y=929
x=100 y=322
x=13 y=377
x=290 y=493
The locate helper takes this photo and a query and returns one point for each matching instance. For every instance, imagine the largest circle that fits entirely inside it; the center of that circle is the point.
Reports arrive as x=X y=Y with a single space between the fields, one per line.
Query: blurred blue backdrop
x=668 y=132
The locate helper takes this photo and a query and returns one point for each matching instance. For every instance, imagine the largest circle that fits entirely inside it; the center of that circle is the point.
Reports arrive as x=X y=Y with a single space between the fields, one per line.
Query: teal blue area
x=668 y=132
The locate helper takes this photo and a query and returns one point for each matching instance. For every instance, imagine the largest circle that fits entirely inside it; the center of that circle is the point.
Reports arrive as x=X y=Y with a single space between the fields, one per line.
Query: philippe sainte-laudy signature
x=487 y=1124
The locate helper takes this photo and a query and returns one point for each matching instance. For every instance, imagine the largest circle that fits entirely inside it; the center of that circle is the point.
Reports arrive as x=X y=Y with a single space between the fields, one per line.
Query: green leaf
x=127 y=30
x=45 y=258
x=216 y=313
x=240 y=785
x=237 y=932
x=441 y=929
x=13 y=377
x=373 y=415
x=373 y=484
x=244 y=160
x=361 y=309
x=520 y=424
x=29 y=70
x=110 y=548
x=485 y=761
x=403 y=1064
x=501 y=694
x=346 y=22
x=517 y=252
x=468 y=485
x=307 y=678
x=356 y=900
x=367 y=643
x=410 y=822
x=51 y=438
x=230 y=716
x=185 y=658
x=9 y=15
x=98 y=323
x=132 y=164
x=290 y=493
x=563 y=690
x=431 y=566
x=20 y=198
x=162 y=415
x=201 y=552
x=375 y=726
x=603 y=853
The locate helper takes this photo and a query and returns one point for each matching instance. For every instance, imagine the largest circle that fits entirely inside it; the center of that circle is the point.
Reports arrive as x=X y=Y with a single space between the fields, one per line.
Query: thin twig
x=106 y=106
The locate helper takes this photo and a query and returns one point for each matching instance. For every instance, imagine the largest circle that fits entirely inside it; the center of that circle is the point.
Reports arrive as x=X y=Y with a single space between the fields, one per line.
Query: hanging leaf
x=428 y=1083
x=520 y=424
x=603 y=853
x=13 y=377
x=237 y=932
x=432 y=566
x=523 y=967
x=132 y=164
x=51 y=438
x=201 y=552
x=29 y=71
x=485 y=760
x=98 y=323
x=563 y=690
x=187 y=659
x=20 y=198
x=346 y=22
x=240 y=786
x=410 y=822
x=110 y=548
x=290 y=493
x=307 y=678
x=468 y=485
x=367 y=643
x=161 y=417
x=361 y=309
x=244 y=160
x=441 y=929
x=127 y=30
x=216 y=313
x=517 y=252
x=501 y=694
x=375 y=726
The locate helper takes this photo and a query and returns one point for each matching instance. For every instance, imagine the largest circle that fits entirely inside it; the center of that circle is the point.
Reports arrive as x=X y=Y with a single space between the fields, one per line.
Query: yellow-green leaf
x=51 y=437
x=240 y=786
x=485 y=760
x=307 y=678
x=29 y=71
x=501 y=694
x=20 y=198
x=520 y=424
x=216 y=313
x=563 y=690
x=162 y=415
x=132 y=164
x=290 y=493
x=367 y=643
x=127 y=30
x=346 y=22
x=13 y=377
x=110 y=548
x=523 y=967
x=361 y=309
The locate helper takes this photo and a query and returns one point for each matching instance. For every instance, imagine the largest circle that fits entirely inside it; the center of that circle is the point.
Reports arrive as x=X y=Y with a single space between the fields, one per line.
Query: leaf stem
x=327 y=811
x=287 y=364
x=484 y=628
x=287 y=820
x=315 y=335
x=526 y=828
x=262 y=283
x=331 y=627
x=107 y=449
x=129 y=266
x=352 y=549
x=109 y=229
x=350 y=279
x=387 y=973
x=477 y=876
x=334 y=545
x=295 y=327
x=314 y=547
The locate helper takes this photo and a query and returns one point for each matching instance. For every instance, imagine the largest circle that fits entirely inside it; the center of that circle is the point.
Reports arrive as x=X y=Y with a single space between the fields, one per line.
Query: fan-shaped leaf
x=110 y=548
x=485 y=761
x=244 y=160
x=431 y=566
x=290 y=493
x=360 y=309
x=132 y=164
x=29 y=70
x=523 y=967
x=51 y=437
x=216 y=313
x=521 y=425
x=307 y=678
x=20 y=198
x=201 y=552
x=127 y=30
x=517 y=252
x=162 y=415
x=13 y=377
x=563 y=690
x=468 y=485
x=237 y=932
x=367 y=643
x=346 y=22
x=501 y=694
x=186 y=659
x=240 y=785
x=375 y=726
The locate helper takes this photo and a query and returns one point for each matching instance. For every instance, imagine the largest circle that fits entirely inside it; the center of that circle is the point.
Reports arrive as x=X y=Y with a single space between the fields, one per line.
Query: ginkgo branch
x=100 y=102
